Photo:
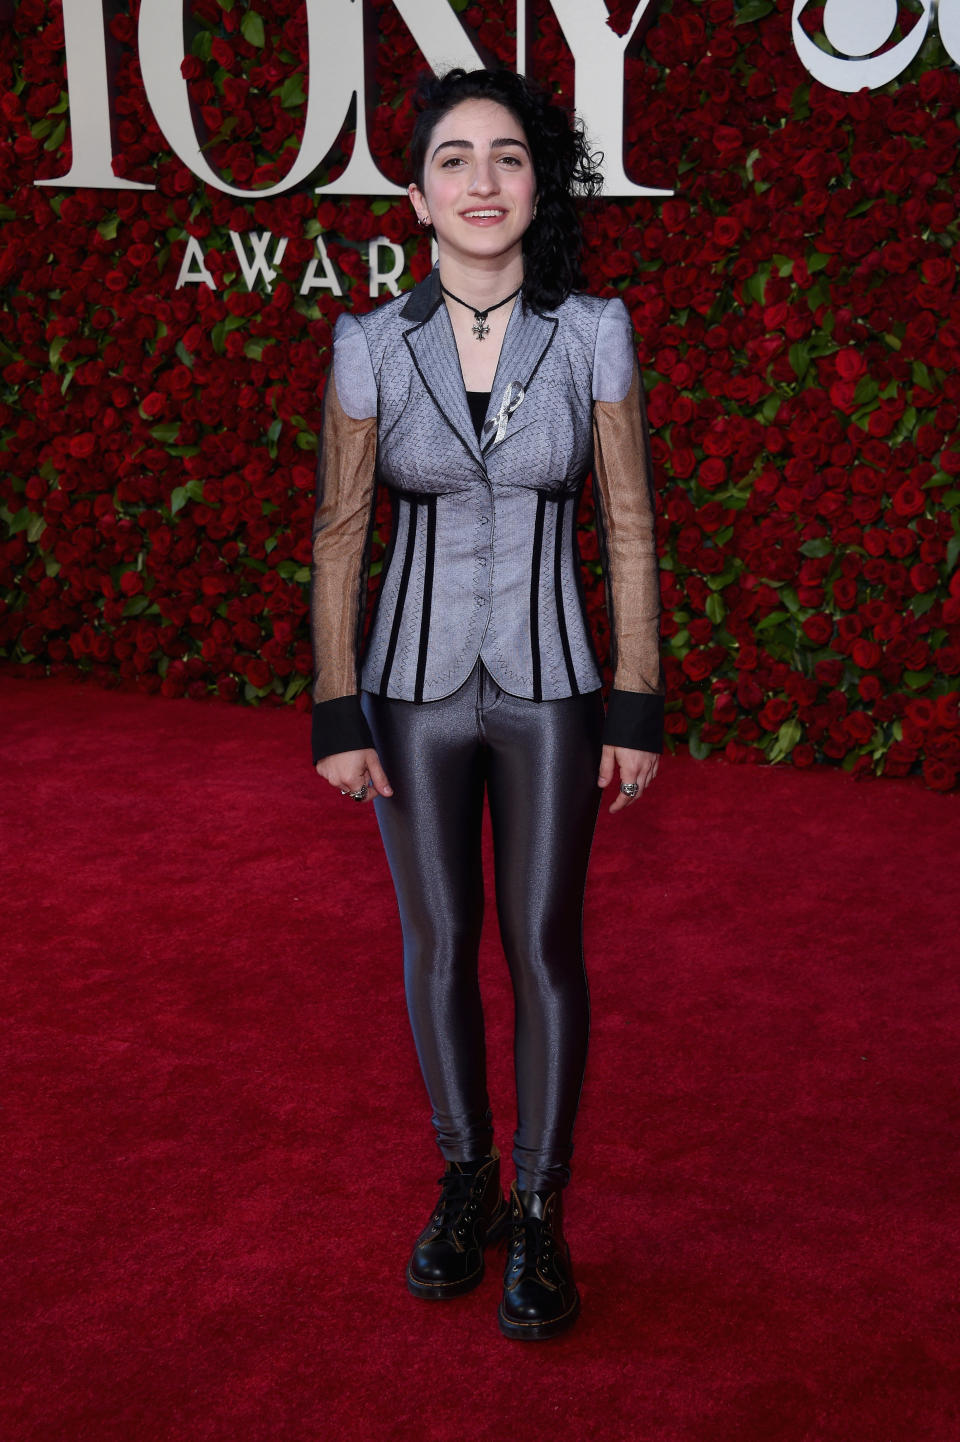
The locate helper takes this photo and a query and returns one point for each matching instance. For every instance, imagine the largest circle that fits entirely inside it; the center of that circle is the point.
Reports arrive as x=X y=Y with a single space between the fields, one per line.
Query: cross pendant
x=480 y=327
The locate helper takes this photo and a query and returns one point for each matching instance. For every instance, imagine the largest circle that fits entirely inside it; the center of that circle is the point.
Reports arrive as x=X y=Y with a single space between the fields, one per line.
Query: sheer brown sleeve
x=341 y=533
x=624 y=487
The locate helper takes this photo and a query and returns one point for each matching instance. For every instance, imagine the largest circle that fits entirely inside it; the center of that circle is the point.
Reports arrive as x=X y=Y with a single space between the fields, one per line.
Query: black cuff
x=634 y=720
x=339 y=725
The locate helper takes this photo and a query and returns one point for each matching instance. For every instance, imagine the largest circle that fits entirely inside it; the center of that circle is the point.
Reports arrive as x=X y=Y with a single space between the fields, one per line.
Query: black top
x=478 y=402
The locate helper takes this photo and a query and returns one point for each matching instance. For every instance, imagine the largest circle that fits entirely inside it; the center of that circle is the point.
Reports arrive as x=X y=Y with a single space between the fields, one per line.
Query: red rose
x=909 y=500
x=818 y=629
x=696 y=665
x=850 y=365
x=939 y=776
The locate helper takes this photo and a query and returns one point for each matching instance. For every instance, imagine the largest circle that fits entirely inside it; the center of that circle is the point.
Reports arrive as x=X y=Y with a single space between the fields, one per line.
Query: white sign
x=337 y=74
x=857 y=29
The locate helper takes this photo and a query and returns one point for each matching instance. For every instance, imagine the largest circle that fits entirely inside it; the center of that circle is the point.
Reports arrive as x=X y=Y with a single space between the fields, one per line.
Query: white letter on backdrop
x=336 y=71
x=442 y=39
x=90 y=138
x=948 y=18
x=259 y=240
x=193 y=267
x=328 y=280
x=387 y=277
x=838 y=73
x=598 y=56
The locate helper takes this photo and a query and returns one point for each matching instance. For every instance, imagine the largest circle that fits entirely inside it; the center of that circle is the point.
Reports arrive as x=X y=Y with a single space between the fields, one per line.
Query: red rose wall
x=798 y=324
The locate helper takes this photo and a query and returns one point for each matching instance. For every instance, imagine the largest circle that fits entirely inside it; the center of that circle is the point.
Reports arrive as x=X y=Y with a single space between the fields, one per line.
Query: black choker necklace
x=480 y=327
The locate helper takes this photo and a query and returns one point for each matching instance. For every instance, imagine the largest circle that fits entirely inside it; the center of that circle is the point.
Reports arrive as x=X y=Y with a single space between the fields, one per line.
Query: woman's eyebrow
x=499 y=143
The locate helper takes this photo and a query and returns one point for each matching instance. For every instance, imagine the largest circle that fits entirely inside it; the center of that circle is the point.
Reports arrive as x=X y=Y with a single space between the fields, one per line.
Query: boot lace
x=459 y=1202
x=531 y=1245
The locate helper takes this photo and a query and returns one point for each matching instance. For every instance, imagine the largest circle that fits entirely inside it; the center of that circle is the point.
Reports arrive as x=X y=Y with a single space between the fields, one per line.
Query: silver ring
x=360 y=795
x=630 y=788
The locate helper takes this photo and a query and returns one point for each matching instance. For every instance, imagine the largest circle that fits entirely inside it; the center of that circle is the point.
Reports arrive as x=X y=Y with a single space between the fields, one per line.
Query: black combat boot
x=540 y=1297
x=471 y=1213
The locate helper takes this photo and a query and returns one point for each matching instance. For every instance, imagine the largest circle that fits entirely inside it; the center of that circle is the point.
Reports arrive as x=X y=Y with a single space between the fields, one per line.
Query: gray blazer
x=483 y=558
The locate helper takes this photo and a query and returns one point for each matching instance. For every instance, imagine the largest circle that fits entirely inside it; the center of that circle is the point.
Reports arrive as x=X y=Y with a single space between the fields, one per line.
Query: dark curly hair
x=562 y=163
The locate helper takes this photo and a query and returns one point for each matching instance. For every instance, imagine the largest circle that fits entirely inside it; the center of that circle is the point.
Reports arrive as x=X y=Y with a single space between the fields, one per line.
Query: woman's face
x=479 y=187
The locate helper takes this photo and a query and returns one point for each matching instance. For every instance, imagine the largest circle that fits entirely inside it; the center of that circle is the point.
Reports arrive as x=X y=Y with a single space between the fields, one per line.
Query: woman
x=482 y=400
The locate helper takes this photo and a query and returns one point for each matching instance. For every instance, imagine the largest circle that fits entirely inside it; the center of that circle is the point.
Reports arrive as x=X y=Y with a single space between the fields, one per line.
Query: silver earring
x=423 y=219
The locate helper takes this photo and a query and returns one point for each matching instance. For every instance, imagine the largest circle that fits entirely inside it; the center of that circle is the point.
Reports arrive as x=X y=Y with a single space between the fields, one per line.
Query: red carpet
x=216 y=1143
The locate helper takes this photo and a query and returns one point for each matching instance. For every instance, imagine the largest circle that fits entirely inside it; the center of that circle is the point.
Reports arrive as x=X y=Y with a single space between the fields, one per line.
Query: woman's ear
x=419 y=203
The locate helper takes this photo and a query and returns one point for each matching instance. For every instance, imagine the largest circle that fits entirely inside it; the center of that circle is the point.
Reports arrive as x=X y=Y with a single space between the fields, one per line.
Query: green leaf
x=751 y=161
x=817 y=261
x=799 y=355
x=917 y=680
x=166 y=431
x=35 y=529
x=920 y=605
x=774 y=619
x=291 y=91
x=750 y=10
x=714 y=608
x=866 y=392
x=921 y=376
x=251 y=28
x=108 y=227
x=20 y=521
x=770 y=410
x=893 y=341
x=380 y=207
x=56 y=346
x=136 y=605
x=225 y=5
x=953 y=551
x=787 y=737
x=178 y=499
x=56 y=139
x=184 y=354
x=754 y=288
x=820 y=546
x=698 y=749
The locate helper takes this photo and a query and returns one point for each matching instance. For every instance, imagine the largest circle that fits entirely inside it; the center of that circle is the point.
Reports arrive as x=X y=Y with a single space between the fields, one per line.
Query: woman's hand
x=637 y=767
x=351 y=771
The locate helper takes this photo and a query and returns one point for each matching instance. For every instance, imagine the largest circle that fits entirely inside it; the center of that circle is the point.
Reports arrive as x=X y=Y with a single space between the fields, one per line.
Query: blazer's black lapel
x=433 y=348
x=527 y=339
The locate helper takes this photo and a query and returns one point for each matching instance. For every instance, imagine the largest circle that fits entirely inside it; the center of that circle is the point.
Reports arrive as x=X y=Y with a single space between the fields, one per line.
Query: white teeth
x=482 y=213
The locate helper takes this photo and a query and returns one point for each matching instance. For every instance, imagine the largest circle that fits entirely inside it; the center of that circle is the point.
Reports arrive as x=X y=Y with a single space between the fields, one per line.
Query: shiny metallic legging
x=538 y=761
